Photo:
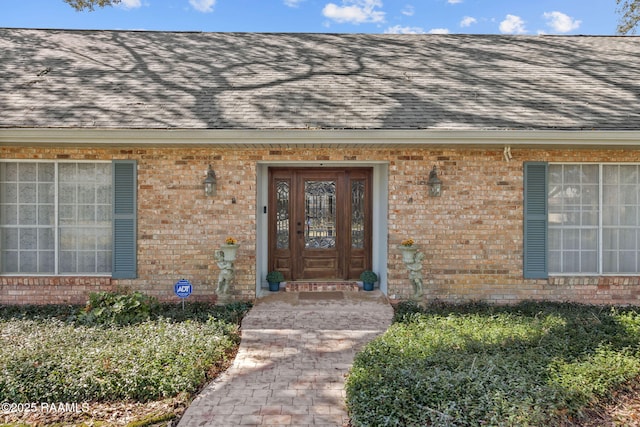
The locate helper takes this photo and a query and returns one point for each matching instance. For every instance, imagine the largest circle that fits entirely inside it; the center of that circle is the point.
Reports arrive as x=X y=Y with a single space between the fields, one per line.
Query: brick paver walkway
x=295 y=351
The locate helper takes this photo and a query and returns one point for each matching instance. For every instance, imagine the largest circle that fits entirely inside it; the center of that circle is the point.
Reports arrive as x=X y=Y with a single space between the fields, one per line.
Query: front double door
x=320 y=222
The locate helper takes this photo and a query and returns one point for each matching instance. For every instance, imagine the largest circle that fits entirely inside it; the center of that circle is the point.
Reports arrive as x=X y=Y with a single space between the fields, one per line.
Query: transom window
x=594 y=218
x=55 y=218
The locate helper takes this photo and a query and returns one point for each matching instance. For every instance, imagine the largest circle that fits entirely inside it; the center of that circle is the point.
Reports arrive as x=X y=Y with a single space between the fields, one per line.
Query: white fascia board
x=292 y=138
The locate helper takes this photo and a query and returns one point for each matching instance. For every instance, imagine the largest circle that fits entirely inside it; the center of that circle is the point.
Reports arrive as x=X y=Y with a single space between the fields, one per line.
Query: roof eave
x=319 y=138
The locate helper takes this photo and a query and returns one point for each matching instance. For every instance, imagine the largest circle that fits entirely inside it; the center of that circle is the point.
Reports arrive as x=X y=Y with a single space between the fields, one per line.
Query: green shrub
x=52 y=354
x=52 y=361
x=532 y=364
x=117 y=308
x=202 y=311
x=196 y=311
x=275 y=277
x=368 y=276
x=61 y=312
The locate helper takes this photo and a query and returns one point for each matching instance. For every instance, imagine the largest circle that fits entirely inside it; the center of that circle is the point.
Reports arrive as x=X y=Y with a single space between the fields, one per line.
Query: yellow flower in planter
x=231 y=241
x=408 y=242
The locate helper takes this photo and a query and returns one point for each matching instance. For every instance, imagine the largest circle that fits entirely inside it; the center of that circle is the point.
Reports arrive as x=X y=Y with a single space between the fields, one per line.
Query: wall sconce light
x=210 y=183
x=435 y=185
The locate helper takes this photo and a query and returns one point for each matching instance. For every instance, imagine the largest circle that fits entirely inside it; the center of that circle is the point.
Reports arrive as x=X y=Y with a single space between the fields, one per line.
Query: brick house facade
x=473 y=236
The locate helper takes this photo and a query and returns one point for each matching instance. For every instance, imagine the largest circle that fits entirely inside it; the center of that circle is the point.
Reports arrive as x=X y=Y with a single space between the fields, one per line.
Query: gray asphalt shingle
x=156 y=80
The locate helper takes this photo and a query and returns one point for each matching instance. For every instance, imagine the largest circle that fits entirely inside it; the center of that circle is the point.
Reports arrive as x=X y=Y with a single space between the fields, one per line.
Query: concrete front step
x=322 y=286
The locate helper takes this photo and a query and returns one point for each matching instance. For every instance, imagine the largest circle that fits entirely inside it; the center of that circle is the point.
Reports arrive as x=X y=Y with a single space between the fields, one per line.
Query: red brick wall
x=471 y=235
x=51 y=290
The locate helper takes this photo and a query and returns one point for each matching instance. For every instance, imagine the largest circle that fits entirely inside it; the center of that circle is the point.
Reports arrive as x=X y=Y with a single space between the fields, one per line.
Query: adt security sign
x=183 y=288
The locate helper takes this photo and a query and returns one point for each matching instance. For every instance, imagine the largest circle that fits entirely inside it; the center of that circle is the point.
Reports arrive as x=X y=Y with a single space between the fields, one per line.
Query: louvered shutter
x=124 y=219
x=535 y=221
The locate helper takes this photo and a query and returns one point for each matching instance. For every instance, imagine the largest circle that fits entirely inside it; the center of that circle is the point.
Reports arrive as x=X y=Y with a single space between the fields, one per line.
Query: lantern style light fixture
x=435 y=184
x=210 y=183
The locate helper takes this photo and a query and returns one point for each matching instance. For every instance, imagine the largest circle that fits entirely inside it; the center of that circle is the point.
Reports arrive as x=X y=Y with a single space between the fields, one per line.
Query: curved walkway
x=290 y=369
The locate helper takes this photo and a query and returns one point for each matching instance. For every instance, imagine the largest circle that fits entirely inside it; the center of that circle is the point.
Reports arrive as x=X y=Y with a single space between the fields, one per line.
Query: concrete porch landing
x=290 y=369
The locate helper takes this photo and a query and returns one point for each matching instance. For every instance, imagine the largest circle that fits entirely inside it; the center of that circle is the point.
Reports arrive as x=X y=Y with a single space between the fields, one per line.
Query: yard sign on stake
x=183 y=289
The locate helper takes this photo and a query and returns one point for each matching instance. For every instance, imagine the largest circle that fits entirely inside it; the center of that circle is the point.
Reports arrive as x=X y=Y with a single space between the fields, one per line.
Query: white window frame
x=56 y=226
x=600 y=231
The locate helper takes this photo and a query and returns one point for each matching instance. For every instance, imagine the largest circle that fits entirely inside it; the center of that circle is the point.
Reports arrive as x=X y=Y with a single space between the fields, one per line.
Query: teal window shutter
x=535 y=221
x=124 y=219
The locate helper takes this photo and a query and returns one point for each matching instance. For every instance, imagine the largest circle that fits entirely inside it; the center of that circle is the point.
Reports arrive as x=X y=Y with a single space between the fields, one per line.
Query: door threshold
x=322 y=286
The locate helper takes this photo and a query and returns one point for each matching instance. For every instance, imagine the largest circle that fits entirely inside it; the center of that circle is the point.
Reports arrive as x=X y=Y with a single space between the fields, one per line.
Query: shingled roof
x=187 y=80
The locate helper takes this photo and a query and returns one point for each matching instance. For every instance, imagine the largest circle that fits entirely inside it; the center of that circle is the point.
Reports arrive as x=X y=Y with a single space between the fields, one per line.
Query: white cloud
x=512 y=25
x=454 y=1
x=408 y=10
x=203 y=5
x=398 y=29
x=561 y=23
x=467 y=21
x=293 y=3
x=355 y=11
x=439 y=31
x=130 y=4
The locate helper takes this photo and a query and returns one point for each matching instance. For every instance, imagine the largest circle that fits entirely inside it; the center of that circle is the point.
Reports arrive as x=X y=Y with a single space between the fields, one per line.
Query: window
x=67 y=218
x=573 y=218
x=592 y=219
x=620 y=223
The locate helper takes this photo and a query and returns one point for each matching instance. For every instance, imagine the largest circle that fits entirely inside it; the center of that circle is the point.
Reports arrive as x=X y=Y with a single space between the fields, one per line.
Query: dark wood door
x=320 y=222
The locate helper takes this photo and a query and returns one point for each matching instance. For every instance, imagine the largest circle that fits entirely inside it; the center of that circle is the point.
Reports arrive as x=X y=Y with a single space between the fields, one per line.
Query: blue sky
x=335 y=16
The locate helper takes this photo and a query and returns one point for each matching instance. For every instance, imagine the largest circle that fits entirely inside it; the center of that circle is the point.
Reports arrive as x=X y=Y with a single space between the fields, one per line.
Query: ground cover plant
x=478 y=365
x=120 y=348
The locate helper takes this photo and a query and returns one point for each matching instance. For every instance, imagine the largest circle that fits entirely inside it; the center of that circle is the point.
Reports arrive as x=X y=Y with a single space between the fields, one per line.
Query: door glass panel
x=282 y=214
x=357 y=214
x=320 y=214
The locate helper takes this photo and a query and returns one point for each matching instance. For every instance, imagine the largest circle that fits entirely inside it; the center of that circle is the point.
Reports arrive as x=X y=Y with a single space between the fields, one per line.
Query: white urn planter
x=408 y=253
x=230 y=251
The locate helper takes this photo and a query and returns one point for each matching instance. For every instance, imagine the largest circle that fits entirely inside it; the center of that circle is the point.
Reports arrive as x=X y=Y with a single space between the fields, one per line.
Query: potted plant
x=408 y=250
x=230 y=249
x=368 y=278
x=274 y=278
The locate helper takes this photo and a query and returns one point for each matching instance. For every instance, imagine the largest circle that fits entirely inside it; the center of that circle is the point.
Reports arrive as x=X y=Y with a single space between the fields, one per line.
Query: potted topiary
x=274 y=278
x=368 y=278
